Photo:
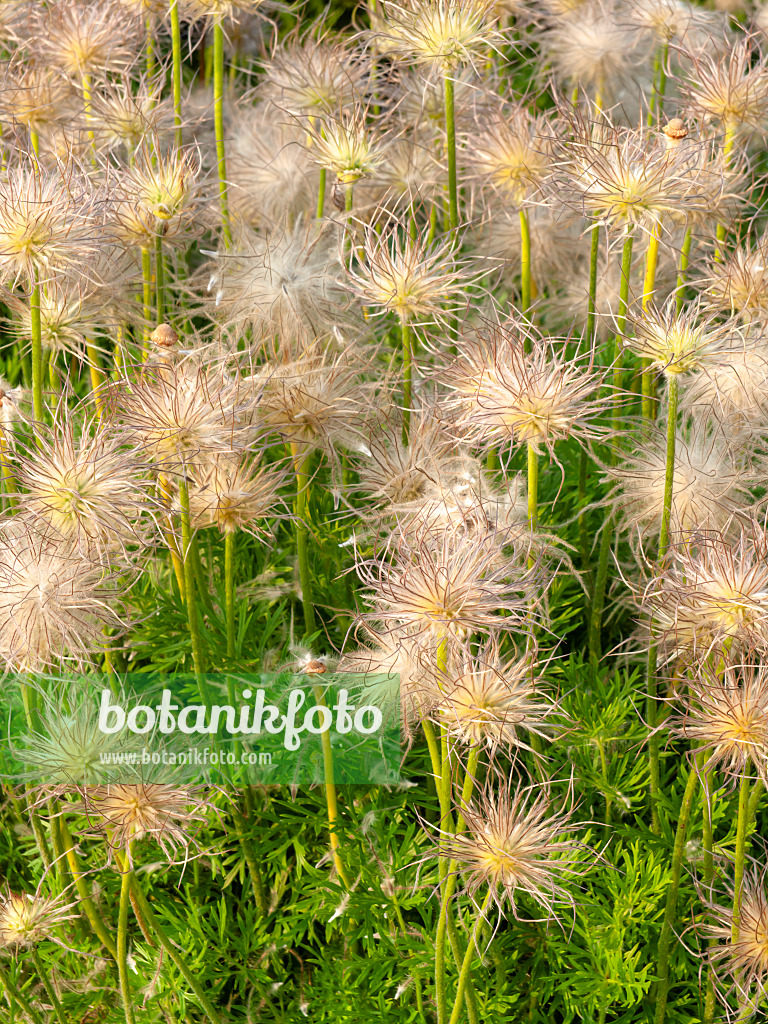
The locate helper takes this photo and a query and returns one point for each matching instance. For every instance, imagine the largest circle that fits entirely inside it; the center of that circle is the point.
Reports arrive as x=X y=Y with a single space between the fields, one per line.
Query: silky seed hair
x=26 y=920
x=724 y=714
x=673 y=342
x=744 y=962
x=518 y=846
x=506 y=396
x=712 y=595
x=444 y=34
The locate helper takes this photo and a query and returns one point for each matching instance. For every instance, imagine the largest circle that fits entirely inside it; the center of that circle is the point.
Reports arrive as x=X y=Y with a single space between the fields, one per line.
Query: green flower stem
x=685 y=257
x=450 y=131
x=301 y=510
x=708 y=873
x=666 y=514
x=50 y=991
x=728 y=143
x=321 y=193
x=218 y=123
x=656 y=106
x=34 y=138
x=594 y=251
x=670 y=913
x=189 y=583
x=94 y=918
x=97 y=380
x=16 y=997
x=176 y=69
x=229 y=588
x=448 y=889
x=122 y=938
x=159 y=278
x=525 y=260
x=621 y=319
x=407 y=340
x=649 y=287
x=741 y=847
x=37 y=354
x=601 y=577
x=149 y=49
x=85 y=81
x=6 y=469
x=669 y=474
x=469 y=956
x=533 y=486
x=152 y=922
x=146 y=275
x=256 y=880
x=331 y=799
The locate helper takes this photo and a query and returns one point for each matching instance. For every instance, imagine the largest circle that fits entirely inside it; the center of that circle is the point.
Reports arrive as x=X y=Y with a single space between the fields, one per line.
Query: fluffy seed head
x=677 y=342
x=725 y=714
x=730 y=89
x=746 y=959
x=735 y=389
x=516 y=847
x=713 y=594
x=709 y=485
x=236 y=494
x=420 y=282
x=506 y=397
x=345 y=145
x=53 y=603
x=83 y=37
x=442 y=33
x=26 y=920
x=313 y=76
x=85 y=486
x=739 y=282
x=490 y=701
x=130 y=812
x=513 y=152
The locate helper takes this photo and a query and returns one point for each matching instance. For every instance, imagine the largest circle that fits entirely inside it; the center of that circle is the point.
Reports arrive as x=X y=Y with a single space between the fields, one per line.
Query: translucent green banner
x=226 y=729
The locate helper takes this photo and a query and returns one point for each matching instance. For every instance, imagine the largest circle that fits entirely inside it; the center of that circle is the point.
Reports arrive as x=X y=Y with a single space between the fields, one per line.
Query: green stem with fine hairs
x=407 y=339
x=601 y=577
x=469 y=956
x=321 y=193
x=331 y=798
x=159 y=278
x=594 y=251
x=621 y=319
x=122 y=938
x=670 y=913
x=525 y=260
x=97 y=380
x=189 y=583
x=656 y=106
x=256 y=880
x=146 y=277
x=669 y=472
x=176 y=69
x=666 y=515
x=37 y=353
x=533 y=494
x=740 y=853
x=449 y=887
x=94 y=918
x=728 y=143
x=229 y=589
x=85 y=81
x=50 y=991
x=685 y=256
x=301 y=511
x=450 y=133
x=218 y=124
x=152 y=922
x=149 y=49
x=708 y=875
x=16 y=997
x=649 y=287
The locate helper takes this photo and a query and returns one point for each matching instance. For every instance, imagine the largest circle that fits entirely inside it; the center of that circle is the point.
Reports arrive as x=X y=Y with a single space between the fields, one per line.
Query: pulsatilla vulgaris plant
x=397 y=363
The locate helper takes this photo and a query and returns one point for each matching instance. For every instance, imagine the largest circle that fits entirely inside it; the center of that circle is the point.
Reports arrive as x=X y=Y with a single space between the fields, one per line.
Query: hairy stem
x=122 y=938
x=450 y=132
x=685 y=256
x=649 y=287
x=159 y=278
x=189 y=582
x=50 y=991
x=525 y=260
x=670 y=913
x=331 y=798
x=218 y=123
x=741 y=847
x=16 y=997
x=469 y=956
x=94 y=918
x=37 y=353
x=407 y=340
x=229 y=589
x=301 y=510
x=176 y=69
